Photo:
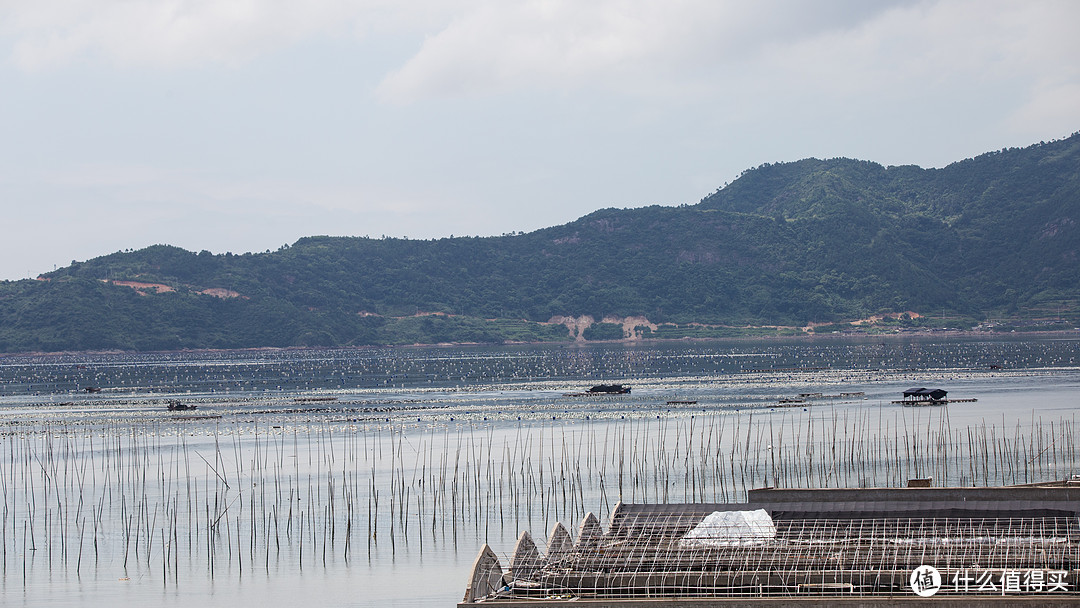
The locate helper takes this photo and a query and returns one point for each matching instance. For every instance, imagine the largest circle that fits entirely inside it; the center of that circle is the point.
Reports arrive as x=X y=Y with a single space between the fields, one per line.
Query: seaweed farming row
x=343 y=369
x=307 y=472
x=162 y=502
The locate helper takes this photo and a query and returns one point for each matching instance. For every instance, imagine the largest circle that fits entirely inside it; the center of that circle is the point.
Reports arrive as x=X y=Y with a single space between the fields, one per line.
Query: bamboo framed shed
x=868 y=547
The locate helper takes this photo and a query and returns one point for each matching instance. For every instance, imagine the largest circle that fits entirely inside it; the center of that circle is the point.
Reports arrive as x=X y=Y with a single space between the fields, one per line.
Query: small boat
x=609 y=389
x=93 y=389
x=175 y=405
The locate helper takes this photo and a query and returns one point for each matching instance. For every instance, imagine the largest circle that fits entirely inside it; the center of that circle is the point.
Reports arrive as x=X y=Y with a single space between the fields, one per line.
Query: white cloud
x=674 y=49
x=1009 y=66
x=931 y=44
x=686 y=47
x=561 y=42
x=172 y=33
x=633 y=45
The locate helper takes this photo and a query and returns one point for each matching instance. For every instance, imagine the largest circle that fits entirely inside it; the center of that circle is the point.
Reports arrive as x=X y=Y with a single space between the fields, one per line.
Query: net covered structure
x=782 y=547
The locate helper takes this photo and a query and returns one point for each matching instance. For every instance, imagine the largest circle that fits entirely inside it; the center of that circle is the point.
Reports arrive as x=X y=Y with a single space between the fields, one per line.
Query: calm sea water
x=373 y=476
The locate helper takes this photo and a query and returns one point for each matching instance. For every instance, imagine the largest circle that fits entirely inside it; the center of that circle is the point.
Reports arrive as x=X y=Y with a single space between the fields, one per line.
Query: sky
x=244 y=125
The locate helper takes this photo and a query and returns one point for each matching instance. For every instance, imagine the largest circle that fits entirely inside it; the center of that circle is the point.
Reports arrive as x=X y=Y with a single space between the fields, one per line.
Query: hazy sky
x=242 y=125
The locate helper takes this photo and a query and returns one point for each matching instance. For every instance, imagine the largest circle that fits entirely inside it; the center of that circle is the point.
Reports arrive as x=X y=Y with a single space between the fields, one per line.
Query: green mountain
x=789 y=244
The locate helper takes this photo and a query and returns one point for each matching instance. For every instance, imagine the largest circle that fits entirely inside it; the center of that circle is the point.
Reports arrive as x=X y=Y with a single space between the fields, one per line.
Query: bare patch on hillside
x=576 y=325
x=142 y=288
x=630 y=325
x=219 y=292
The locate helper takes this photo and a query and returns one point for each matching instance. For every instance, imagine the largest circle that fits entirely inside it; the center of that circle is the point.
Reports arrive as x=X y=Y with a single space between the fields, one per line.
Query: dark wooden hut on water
x=916 y=395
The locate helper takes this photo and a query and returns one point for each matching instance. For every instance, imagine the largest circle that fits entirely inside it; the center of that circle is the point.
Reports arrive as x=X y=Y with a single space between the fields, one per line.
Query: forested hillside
x=813 y=241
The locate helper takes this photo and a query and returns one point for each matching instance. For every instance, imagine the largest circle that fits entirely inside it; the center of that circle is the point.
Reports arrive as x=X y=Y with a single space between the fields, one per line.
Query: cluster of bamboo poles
x=242 y=496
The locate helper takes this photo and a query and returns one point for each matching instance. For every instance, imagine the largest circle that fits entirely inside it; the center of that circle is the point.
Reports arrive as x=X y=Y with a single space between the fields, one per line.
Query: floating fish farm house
x=1016 y=545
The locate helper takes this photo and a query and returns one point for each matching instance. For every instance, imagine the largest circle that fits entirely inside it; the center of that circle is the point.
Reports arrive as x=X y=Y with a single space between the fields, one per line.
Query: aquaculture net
x=747 y=554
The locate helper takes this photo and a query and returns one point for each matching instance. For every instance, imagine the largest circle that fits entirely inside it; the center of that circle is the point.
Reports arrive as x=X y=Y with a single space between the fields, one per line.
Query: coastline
x=795 y=337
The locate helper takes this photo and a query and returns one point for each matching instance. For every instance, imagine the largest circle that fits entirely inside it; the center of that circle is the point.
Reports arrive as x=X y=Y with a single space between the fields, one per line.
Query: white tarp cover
x=731 y=529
